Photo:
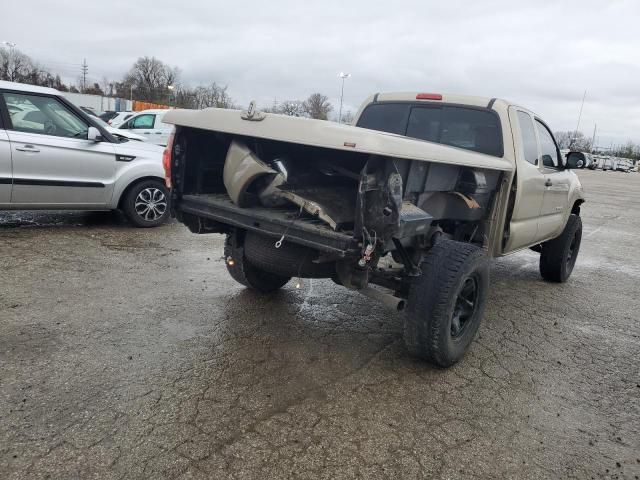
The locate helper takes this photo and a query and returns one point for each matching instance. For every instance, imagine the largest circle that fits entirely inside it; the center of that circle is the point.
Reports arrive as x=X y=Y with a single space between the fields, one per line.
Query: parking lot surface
x=130 y=353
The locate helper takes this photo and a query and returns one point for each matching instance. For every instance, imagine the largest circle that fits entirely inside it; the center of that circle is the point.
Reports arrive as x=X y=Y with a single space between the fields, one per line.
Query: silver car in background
x=55 y=156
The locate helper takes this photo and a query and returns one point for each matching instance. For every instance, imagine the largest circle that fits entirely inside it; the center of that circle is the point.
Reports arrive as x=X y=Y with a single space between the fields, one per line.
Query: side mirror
x=574 y=160
x=94 y=135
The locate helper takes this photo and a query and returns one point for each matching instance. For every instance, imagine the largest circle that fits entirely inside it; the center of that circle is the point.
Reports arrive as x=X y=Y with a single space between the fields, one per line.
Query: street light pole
x=171 y=89
x=343 y=76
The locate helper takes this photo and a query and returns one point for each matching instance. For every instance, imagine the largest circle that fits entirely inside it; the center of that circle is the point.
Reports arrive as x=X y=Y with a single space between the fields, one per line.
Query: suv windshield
x=476 y=129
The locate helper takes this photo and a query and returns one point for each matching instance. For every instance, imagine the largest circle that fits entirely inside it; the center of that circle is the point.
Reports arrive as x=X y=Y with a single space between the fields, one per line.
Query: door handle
x=147 y=133
x=548 y=183
x=158 y=133
x=28 y=148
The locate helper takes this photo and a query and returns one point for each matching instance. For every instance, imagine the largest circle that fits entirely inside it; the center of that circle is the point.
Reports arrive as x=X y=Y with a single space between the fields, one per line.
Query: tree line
x=150 y=80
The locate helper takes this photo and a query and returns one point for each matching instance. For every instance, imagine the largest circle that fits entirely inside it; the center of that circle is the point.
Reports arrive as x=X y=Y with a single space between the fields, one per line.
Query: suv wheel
x=559 y=255
x=243 y=272
x=447 y=302
x=146 y=204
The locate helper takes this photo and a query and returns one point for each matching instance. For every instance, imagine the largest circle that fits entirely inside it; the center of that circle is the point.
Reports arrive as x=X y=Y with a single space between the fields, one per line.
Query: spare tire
x=291 y=259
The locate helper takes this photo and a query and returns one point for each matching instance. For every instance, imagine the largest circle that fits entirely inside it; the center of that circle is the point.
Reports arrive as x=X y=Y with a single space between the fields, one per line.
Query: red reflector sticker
x=429 y=96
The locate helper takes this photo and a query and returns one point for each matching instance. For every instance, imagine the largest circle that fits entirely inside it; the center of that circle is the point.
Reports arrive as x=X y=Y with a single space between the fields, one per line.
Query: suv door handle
x=28 y=148
x=548 y=183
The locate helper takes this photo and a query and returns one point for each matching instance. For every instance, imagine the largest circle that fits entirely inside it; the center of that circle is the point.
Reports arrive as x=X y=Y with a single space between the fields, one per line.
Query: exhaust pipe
x=386 y=299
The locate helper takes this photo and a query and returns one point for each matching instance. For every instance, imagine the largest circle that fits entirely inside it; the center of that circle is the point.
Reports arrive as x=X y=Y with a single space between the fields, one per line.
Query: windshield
x=475 y=129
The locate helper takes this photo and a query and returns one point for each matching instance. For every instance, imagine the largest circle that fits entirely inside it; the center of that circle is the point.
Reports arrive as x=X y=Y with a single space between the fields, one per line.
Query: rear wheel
x=559 y=255
x=146 y=204
x=447 y=302
x=243 y=272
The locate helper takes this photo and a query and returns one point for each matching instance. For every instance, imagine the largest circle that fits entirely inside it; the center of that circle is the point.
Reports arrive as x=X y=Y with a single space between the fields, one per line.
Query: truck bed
x=304 y=230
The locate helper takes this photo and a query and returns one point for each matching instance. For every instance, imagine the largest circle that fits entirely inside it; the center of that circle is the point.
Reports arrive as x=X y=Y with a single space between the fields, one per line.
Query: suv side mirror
x=94 y=135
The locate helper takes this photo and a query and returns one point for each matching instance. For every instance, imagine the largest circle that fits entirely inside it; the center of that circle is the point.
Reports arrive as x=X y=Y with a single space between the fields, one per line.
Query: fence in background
x=100 y=103
x=103 y=104
x=138 y=105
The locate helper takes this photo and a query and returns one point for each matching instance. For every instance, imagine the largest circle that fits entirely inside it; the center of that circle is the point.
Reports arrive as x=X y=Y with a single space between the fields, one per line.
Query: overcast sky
x=541 y=54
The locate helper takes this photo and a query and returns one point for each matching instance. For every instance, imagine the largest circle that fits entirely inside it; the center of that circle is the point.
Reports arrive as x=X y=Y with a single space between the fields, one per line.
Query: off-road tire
x=129 y=202
x=244 y=272
x=435 y=298
x=559 y=255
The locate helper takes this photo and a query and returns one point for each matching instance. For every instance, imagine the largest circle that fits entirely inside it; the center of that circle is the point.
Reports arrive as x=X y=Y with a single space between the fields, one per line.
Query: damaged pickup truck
x=414 y=198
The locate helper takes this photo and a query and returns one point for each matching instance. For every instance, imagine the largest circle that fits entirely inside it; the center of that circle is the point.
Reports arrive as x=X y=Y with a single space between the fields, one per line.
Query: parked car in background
x=607 y=164
x=623 y=165
x=119 y=118
x=90 y=111
x=55 y=156
x=108 y=115
x=149 y=123
x=120 y=134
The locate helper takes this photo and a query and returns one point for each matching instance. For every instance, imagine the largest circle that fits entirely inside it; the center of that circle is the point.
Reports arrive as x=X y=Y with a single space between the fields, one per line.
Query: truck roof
x=434 y=97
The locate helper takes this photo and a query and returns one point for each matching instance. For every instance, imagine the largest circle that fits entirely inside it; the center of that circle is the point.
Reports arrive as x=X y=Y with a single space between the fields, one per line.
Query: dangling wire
x=278 y=244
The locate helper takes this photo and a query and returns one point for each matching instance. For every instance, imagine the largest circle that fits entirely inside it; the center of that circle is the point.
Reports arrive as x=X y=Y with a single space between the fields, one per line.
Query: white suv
x=55 y=156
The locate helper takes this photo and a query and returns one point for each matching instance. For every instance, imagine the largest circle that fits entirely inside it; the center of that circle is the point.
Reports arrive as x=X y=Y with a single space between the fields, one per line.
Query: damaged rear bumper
x=311 y=232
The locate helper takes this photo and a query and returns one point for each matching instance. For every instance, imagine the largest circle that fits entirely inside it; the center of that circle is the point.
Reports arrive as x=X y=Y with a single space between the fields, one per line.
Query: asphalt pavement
x=131 y=353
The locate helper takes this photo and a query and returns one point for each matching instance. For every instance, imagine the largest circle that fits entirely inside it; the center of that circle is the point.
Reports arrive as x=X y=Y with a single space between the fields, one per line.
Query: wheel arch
x=133 y=183
x=575 y=208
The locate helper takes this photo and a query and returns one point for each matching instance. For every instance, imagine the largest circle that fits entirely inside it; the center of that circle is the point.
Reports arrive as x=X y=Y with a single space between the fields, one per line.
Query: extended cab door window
x=529 y=142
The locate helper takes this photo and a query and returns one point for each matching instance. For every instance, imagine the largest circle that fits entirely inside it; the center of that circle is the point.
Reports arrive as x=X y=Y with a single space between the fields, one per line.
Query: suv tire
x=447 y=302
x=146 y=204
x=244 y=272
x=559 y=255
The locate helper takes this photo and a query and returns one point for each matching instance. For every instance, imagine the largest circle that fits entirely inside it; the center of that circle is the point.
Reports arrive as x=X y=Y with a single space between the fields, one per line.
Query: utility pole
x=85 y=70
x=593 y=139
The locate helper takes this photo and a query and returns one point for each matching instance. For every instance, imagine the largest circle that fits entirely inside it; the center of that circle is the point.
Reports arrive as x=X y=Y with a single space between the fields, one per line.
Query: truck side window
x=550 y=153
x=528 y=138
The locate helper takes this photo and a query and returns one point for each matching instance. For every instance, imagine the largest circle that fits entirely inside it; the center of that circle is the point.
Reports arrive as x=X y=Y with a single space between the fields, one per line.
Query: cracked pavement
x=129 y=353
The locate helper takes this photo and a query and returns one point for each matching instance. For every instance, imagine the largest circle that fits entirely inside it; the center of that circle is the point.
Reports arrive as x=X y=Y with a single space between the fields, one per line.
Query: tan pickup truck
x=414 y=198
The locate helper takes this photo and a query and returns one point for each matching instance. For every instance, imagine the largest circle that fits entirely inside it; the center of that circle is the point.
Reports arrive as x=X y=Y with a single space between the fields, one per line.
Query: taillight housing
x=166 y=158
x=429 y=96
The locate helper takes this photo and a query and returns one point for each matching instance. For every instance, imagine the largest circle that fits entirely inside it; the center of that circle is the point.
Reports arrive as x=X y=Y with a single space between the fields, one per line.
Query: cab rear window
x=473 y=129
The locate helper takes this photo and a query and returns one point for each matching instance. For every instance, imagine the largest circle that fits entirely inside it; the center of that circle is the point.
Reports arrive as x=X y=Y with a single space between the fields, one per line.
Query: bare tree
x=573 y=140
x=15 y=66
x=150 y=78
x=293 y=108
x=200 y=97
x=317 y=106
x=347 y=117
